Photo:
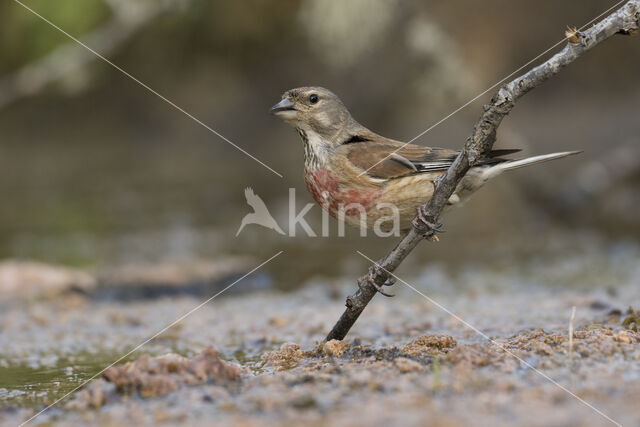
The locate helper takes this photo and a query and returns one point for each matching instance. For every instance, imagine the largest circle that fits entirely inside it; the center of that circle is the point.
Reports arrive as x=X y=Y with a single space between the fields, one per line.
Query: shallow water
x=42 y=383
x=32 y=387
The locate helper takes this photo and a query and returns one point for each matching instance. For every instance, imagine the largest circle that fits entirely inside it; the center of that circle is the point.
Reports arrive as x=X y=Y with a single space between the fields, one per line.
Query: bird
x=350 y=170
x=260 y=214
x=367 y=180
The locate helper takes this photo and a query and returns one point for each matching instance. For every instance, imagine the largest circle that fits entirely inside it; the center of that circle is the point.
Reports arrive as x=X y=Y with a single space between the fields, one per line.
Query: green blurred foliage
x=74 y=16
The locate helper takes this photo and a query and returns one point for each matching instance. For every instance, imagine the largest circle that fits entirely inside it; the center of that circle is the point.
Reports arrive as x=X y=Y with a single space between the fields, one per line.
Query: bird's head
x=314 y=110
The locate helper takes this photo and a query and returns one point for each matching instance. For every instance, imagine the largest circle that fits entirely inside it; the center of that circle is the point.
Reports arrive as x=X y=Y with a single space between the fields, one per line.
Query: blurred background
x=97 y=171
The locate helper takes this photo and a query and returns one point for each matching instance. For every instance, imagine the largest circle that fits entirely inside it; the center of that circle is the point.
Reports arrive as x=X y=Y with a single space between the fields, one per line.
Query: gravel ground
x=406 y=361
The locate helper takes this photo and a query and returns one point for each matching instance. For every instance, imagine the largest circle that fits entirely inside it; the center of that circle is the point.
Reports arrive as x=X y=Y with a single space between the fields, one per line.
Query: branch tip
x=572 y=34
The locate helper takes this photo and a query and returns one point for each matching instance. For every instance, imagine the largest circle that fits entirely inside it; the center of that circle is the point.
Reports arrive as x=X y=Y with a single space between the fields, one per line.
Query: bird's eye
x=313 y=98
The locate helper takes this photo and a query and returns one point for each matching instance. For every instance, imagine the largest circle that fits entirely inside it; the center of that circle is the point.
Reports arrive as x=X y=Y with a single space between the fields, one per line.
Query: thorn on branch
x=349 y=302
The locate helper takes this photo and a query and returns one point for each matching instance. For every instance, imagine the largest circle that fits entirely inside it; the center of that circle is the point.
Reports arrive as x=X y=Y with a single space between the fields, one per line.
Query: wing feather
x=388 y=159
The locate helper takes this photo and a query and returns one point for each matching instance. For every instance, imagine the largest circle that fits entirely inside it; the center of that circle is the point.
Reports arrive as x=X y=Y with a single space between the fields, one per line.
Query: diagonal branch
x=625 y=20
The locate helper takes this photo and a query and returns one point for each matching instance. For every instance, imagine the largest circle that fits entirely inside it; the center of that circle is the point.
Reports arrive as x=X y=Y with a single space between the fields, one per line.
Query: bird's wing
x=387 y=159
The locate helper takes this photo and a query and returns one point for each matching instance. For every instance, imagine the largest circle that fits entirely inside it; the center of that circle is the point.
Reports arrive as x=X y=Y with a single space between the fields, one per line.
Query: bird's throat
x=317 y=151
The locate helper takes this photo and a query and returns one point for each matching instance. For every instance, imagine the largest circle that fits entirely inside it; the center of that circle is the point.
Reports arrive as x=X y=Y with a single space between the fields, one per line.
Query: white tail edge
x=515 y=164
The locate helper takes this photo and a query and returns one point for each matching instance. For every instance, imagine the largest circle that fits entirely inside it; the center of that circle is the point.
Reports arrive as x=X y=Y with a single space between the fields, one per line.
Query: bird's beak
x=285 y=109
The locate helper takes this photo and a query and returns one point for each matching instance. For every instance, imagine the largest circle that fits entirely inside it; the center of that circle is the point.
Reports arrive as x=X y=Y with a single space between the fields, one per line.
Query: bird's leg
x=374 y=271
x=427 y=227
x=390 y=281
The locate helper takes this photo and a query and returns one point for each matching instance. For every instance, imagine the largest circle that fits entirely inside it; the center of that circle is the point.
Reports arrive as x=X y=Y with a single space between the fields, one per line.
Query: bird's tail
x=515 y=164
x=477 y=177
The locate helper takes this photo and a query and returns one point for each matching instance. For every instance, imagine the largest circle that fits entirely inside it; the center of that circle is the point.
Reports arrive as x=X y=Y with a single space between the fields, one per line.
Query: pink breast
x=330 y=194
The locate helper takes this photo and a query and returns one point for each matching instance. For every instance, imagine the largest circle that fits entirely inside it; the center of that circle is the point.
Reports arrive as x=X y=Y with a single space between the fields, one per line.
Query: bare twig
x=573 y=316
x=625 y=20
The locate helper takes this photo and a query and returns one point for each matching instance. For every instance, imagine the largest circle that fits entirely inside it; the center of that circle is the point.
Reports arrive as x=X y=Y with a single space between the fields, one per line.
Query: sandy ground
x=405 y=362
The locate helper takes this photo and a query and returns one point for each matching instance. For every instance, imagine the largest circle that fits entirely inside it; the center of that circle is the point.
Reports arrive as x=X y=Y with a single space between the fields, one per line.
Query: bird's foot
x=428 y=228
x=374 y=271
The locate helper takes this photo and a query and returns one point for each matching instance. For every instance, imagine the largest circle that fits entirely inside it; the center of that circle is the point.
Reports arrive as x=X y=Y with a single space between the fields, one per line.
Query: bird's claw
x=371 y=279
x=421 y=222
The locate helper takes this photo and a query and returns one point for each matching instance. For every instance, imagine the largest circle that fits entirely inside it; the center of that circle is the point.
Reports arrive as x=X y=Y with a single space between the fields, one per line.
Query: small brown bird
x=359 y=175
